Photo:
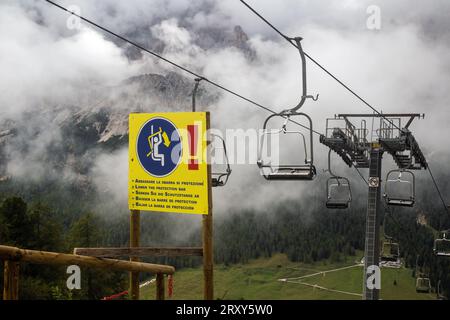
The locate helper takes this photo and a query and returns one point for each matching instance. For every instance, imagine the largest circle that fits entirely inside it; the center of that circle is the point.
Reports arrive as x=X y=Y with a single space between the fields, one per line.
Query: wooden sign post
x=170 y=171
x=208 y=264
x=207 y=235
x=135 y=237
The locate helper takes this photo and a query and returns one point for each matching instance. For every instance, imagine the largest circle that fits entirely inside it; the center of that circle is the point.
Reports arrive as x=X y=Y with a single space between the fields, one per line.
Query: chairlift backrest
x=390 y=251
x=395 y=249
x=220 y=175
x=442 y=246
x=400 y=188
x=339 y=193
x=423 y=284
x=338 y=188
x=300 y=170
x=392 y=248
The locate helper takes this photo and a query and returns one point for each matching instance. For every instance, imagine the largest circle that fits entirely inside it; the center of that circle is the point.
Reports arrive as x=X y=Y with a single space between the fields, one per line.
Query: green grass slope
x=259 y=279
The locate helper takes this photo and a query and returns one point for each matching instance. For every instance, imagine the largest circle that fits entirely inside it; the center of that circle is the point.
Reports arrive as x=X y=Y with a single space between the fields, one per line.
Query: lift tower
x=348 y=136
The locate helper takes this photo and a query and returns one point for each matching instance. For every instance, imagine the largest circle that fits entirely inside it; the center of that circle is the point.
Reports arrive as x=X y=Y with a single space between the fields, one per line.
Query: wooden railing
x=13 y=256
x=140 y=252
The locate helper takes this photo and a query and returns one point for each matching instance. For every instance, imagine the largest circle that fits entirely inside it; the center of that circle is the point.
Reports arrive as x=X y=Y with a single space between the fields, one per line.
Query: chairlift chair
x=220 y=177
x=398 y=190
x=442 y=246
x=390 y=251
x=339 y=194
x=423 y=284
x=282 y=171
x=300 y=171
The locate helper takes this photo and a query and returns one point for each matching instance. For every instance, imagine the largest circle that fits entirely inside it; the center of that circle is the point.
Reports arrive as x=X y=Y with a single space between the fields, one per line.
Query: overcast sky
x=402 y=67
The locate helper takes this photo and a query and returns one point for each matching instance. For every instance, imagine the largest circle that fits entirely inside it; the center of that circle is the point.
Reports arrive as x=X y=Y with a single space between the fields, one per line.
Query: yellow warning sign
x=168 y=169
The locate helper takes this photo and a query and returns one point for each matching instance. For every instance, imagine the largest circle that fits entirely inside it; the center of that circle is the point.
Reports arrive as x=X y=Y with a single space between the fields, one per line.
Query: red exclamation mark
x=193 y=139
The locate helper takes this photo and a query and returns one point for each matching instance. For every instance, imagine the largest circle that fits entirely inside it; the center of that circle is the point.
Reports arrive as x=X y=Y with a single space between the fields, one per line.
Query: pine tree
x=86 y=232
x=16 y=225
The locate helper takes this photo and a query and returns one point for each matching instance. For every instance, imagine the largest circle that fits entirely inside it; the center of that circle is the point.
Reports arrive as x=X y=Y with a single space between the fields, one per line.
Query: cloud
x=112 y=182
x=31 y=149
x=38 y=67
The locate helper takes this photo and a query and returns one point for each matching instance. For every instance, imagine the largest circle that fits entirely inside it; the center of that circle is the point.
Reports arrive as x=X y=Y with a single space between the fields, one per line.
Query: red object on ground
x=116 y=296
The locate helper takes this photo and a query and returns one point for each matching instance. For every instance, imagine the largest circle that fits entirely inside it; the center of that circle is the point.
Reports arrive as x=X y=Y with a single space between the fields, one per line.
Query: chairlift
x=442 y=245
x=398 y=190
x=423 y=284
x=306 y=171
x=339 y=194
x=282 y=171
x=390 y=251
x=219 y=178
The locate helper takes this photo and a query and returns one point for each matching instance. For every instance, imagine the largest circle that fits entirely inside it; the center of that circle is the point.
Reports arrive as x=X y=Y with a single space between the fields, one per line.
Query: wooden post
x=11 y=280
x=207 y=224
x=160 y=287
x=135 y=235
x=208 y=265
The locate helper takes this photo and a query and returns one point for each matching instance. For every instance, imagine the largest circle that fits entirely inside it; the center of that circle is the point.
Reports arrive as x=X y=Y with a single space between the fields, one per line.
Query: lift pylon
x=349 y=137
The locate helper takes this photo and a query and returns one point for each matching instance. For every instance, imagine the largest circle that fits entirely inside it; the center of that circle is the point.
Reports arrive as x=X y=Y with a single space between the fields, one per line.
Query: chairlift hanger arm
x=304 y=96
x=387 y=212
x=302 y=56
x=329 y=164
